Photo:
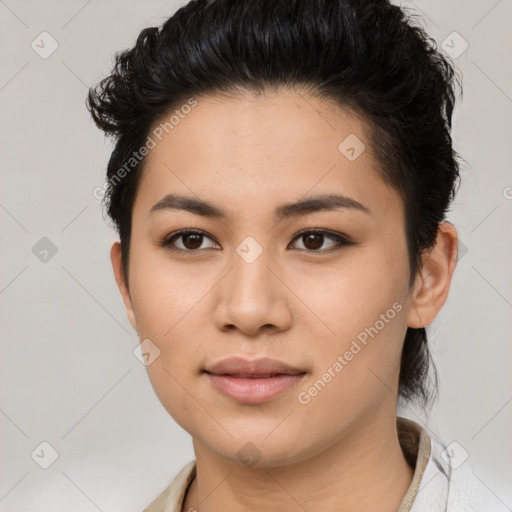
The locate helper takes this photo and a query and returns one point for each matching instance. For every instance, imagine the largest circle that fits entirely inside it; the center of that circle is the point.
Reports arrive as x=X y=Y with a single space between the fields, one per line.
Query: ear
x=117 y=265
x=432 y=283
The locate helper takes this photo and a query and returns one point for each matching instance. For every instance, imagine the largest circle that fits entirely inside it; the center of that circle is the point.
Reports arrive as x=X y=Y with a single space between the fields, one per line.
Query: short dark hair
x=369 y=56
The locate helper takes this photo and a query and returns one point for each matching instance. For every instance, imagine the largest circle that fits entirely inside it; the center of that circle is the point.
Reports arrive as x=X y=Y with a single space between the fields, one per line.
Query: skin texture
x=248 y=155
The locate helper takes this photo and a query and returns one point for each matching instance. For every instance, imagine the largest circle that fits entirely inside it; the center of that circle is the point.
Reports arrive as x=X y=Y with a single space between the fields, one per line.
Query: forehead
x=257 y=151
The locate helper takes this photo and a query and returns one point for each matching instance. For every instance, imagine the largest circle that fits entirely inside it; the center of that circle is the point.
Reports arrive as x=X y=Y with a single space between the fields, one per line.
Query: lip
x=253 y=381
x=245 y=367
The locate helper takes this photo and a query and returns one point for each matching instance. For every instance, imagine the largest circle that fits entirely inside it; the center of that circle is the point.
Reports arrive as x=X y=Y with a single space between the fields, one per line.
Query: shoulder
x=449 y=483
x=171 y=498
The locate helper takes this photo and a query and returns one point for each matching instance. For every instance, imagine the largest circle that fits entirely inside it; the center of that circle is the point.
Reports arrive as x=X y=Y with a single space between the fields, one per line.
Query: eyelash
x=340 y=240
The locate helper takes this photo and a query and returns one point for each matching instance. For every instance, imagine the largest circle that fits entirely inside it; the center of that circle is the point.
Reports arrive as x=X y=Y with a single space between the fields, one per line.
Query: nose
x=253 y=297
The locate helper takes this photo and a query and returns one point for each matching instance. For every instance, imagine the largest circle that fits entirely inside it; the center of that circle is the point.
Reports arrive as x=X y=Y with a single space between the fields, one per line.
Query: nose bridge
x=252 y=296
x=252 y=274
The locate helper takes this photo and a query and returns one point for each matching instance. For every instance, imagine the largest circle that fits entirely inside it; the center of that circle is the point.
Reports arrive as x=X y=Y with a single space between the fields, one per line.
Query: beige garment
x=415 y=443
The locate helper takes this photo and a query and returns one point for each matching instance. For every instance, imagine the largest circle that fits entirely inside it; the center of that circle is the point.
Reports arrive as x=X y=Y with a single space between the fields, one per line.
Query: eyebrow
x=324 y=202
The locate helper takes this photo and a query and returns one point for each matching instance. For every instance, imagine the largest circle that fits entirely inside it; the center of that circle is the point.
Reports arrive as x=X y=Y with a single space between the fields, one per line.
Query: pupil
x=315 y=237
x=195 y=245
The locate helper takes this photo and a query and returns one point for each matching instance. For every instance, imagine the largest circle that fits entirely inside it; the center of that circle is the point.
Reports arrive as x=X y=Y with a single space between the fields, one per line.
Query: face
x=322 y=288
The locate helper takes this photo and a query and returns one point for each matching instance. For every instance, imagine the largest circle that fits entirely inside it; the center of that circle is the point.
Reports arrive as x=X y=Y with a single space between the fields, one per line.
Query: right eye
x=191 y=240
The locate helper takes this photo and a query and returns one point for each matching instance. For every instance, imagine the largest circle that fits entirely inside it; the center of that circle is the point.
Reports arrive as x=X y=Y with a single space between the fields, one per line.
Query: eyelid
x=339 y=238
x=166 y=242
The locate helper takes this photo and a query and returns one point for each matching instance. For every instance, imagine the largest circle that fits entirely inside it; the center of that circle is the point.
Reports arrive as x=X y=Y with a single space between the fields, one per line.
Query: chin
x=256 y=444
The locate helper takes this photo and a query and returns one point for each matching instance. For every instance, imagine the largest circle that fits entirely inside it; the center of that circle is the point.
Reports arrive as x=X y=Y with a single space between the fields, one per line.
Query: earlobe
x=117 y=266
x=433 y=281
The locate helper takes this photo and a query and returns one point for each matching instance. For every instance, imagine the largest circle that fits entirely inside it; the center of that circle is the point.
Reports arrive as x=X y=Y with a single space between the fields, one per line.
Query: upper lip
x=241 y=366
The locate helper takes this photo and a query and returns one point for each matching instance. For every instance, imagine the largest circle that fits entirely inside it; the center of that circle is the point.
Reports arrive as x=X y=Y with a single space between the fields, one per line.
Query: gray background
x=68 y=375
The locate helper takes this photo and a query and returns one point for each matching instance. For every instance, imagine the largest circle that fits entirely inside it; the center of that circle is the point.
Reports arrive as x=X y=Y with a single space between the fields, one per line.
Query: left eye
x=315 y=239
x=312 y=240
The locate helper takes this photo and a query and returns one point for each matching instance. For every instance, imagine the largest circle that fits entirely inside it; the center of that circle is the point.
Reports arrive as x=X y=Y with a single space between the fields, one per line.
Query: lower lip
x=253 y=391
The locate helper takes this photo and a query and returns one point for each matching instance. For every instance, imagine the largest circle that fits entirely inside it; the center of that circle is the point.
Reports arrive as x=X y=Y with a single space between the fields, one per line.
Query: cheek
x=360 y=326
x=165 y=293
x=176 y=393
x=349 y=296
x=166 y=302
x=356 y=371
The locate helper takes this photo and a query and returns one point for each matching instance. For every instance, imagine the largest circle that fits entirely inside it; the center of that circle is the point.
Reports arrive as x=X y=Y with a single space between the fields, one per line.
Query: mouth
x=253 y=382
x=254 y=375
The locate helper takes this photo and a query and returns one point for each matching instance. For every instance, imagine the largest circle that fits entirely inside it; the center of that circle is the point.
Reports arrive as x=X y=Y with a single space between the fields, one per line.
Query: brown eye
x=313 y=240
x=191 y=241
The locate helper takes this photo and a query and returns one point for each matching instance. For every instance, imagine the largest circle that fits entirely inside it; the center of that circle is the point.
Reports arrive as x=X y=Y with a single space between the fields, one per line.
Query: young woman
x=280 y=181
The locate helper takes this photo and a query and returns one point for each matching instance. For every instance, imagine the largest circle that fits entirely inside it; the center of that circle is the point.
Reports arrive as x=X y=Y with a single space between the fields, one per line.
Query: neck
x=365 y=470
